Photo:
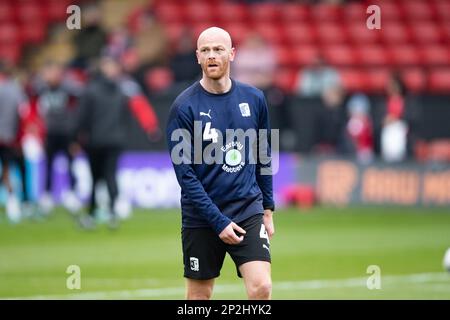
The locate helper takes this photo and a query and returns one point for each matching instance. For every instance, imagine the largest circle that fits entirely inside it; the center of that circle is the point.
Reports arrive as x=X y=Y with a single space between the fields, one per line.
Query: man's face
x=214 y=56
x=53 y=74
x=110 y=68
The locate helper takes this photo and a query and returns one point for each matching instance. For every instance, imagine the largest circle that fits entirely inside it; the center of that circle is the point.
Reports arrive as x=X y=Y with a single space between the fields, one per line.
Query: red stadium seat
x=389 y=10
x=232 y=12
x=445 y=31
x=355 y=12
x=200 y=12
x=439 y=80
x=170 y=12
x=372 y=55
x=299 y=33
x=9 y=34
x=323 y=12
x=174 y=31
x=284 y=56
x=34 y=33
x=414 y=79
x=404 y=55
x=436 y=55
x=56 y=9
x=354 y=80
x=329 y=32
x=10 y=52
x=442 y=8
x=359 y=33
x=270 y=32
x=286 y=79
x=265 y=12
x=30 y=12
x=377 y=79
x=238 y=31
x=417 y=10
x=294 y=12
x=304 y=54
x=6 y=12
x=394 y=32
x=339 y=55
x=425 y=32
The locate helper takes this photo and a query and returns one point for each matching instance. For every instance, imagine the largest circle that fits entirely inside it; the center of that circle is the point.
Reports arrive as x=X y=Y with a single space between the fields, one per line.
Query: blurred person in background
x=394 y=129
x=183 y=63
x=57 y=99
x=255 y=62
x=359 y=127
x=331 y=122
x=119 y=41
x=150 y=40
x=105 y=105
x=12 y=96
x=30 y=151
x=90 y=40
x=314 y=80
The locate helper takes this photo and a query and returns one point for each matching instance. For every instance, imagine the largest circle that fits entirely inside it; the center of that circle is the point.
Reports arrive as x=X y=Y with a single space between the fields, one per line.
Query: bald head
x=214 y=53
x=214 y=35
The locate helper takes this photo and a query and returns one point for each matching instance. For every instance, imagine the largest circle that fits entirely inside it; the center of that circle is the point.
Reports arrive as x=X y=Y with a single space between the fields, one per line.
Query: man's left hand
x=268 y=222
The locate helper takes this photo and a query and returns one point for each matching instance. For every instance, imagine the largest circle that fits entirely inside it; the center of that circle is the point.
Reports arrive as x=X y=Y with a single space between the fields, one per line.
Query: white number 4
x=263 y=233
x=210 y=133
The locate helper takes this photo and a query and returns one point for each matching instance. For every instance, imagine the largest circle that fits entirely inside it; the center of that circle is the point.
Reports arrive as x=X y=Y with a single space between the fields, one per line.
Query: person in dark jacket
x=56 y=101
x=106 y=104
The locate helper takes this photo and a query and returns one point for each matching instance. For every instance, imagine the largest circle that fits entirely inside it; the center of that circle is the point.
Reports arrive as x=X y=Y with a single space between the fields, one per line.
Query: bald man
x=226 y=196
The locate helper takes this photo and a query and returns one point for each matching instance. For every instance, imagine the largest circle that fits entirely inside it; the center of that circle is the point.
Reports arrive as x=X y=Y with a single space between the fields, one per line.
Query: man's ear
x=198 y=59
x=232 y=54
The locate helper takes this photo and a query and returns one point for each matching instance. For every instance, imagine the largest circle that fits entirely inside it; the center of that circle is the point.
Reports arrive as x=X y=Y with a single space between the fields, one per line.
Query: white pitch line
x=231 y=288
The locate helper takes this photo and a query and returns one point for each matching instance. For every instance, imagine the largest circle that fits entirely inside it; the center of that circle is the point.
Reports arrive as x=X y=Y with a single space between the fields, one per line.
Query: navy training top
x=232 y=188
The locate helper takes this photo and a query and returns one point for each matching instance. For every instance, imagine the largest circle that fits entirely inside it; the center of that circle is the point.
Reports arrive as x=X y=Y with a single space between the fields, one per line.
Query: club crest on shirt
x=245 y=109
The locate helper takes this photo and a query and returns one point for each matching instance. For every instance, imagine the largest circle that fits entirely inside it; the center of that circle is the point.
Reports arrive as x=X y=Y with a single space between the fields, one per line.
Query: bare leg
x=199 y=289
x=257 y=279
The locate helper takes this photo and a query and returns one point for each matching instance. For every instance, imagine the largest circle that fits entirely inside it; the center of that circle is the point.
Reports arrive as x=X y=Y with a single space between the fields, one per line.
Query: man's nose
x=211 y=55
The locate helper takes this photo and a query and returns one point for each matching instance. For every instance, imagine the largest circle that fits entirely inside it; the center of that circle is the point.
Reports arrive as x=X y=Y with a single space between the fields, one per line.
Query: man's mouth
x=212 y=65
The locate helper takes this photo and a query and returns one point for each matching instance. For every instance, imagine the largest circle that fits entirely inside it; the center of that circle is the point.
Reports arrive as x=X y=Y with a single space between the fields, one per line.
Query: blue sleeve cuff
x=223 y=223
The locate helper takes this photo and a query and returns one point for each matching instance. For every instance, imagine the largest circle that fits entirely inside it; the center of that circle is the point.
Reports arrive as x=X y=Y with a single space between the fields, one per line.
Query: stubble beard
x=219 y=74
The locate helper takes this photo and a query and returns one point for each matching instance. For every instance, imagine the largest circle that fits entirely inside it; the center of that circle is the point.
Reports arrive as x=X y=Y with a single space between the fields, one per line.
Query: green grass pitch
x=322 y=253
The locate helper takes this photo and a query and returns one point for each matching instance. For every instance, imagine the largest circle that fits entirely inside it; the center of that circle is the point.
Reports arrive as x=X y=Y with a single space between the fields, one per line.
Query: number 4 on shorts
x=263 y=233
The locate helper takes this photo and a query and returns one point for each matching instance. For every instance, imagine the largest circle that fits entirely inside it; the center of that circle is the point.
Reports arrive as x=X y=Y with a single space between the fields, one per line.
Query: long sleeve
x=186 y=176
x=264 y=164
x=144 y=113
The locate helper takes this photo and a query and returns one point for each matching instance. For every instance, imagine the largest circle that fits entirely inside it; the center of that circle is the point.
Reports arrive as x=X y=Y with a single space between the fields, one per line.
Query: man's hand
x=268 y=222
x=229 y=236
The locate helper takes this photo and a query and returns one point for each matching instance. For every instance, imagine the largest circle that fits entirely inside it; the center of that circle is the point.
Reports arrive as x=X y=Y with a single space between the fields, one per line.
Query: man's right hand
x=229 y=236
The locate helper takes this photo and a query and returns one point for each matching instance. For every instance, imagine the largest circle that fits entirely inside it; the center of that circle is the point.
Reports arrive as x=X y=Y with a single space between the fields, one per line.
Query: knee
x=199 y=294
x=261 y=290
